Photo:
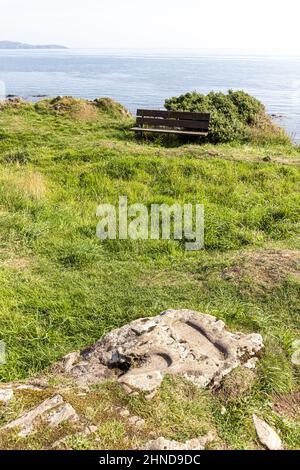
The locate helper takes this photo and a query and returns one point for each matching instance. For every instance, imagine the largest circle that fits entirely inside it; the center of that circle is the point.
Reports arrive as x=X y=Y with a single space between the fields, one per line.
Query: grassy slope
x=61 y=288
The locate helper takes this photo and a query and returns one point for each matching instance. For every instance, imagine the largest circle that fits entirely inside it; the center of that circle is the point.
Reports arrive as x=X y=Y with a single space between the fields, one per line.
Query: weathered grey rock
x=136 y=421
x=84 y=371
x=64 y=412
x=6 y=394
x=52 y=412
x=184 y=342
x=7 y=391
x=69 y=360
x=164 y=444
x=123 y=412
x=28 y=386
x=267 y=436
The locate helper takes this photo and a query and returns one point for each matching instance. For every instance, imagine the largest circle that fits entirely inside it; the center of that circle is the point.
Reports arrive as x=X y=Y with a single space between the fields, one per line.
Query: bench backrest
x=178 y=119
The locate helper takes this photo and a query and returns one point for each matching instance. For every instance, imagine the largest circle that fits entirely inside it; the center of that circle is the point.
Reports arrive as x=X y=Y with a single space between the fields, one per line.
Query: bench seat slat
x=185 y=123
x=167 y=131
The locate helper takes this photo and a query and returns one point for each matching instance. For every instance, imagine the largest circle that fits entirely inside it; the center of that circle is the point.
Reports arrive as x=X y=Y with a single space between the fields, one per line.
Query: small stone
x=267 y=436
x=69 y=360
x=6 y=394
x=89 y=430
x=223 y=411
x=124 y=413
x=136 y=421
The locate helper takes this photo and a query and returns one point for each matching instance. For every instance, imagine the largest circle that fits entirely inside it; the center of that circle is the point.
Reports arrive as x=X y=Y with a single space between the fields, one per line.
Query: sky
x=229 y=24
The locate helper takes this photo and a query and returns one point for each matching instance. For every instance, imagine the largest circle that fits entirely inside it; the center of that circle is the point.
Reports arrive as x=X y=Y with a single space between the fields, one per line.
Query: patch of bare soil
x=17 y=263
x=288 y=405
x=268 y=267
x=11 y=260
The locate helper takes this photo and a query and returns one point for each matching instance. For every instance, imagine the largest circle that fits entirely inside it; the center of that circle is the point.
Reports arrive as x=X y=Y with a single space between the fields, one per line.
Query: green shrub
x=235 y=116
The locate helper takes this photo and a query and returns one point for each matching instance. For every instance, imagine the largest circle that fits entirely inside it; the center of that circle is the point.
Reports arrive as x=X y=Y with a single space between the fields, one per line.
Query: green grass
x=61 y=288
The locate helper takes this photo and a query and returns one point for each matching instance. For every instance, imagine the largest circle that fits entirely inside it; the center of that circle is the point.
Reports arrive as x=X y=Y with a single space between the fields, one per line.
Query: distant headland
x=21 y=45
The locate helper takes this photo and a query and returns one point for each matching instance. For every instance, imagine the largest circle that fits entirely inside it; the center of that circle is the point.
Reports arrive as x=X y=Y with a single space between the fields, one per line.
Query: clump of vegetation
x=59 y=104
x=20 y=157
x=15 y=102
x=111 y=107
x=237 y=384
x=82 y=109
x=235 y=116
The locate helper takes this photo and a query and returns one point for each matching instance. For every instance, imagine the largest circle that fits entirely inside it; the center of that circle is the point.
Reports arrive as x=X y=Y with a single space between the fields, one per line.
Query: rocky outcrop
x=194 y=345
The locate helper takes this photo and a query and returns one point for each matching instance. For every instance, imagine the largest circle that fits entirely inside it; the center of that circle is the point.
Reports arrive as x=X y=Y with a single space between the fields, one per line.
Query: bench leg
x=139 y=134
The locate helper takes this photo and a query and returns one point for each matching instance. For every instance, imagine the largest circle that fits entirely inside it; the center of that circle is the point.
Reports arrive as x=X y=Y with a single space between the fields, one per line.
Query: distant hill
x=20 y=45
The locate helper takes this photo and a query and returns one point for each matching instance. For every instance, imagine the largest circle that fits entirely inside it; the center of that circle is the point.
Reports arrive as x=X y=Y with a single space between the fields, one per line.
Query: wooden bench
x=171 y=122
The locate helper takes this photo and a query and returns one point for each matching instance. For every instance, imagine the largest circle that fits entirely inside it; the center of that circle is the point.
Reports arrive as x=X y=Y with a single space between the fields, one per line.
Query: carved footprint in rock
x=193 y=350
x=147 y=377
x=195 y=345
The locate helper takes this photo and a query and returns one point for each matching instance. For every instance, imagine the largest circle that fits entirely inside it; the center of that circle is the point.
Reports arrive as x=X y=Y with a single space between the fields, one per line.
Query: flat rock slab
x=192 y=344
x=51 y=412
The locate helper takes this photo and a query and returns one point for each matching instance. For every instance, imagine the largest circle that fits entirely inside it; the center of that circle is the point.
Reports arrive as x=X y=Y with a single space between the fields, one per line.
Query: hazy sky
x=258 y=24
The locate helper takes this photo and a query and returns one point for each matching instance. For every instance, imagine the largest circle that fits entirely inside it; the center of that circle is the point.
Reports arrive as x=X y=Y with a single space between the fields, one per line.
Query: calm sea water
x=146 y=78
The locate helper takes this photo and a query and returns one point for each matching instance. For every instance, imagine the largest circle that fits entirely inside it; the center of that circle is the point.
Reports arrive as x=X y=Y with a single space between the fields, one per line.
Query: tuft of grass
x=237 y=384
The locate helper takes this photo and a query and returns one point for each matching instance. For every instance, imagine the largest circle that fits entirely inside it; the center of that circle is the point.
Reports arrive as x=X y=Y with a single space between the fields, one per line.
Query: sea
x=145 y=78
